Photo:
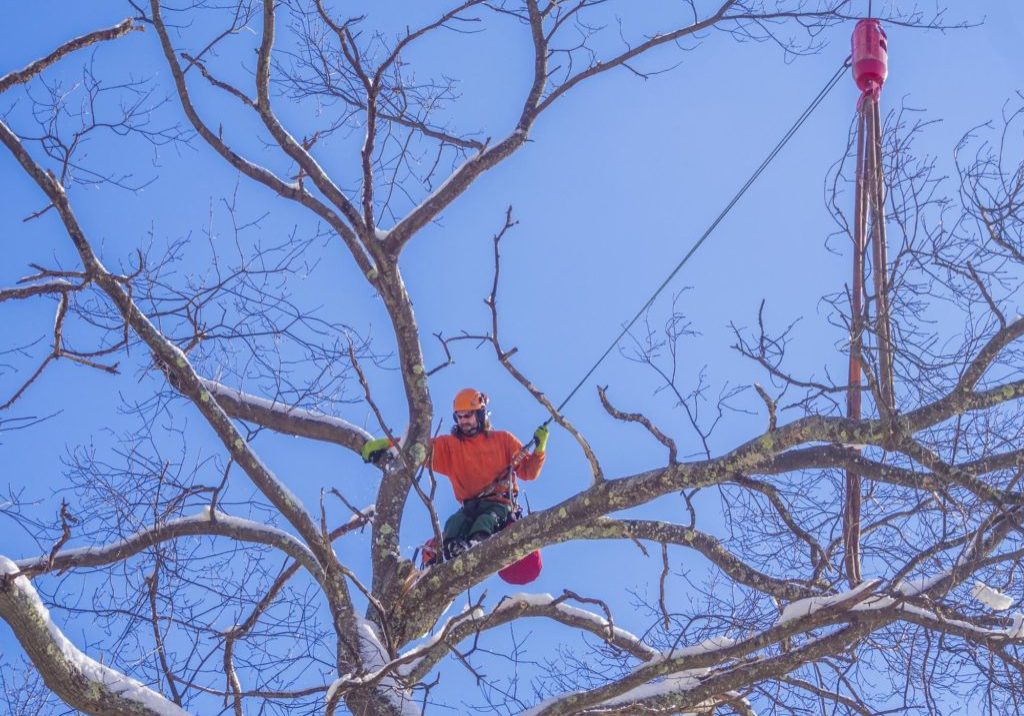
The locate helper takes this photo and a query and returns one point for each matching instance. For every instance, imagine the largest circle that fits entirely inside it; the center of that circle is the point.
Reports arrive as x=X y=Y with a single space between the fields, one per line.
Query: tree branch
x=81 y=682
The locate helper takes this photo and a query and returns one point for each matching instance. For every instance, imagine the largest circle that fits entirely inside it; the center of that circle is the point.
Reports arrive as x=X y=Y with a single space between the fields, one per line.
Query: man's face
x=468 y=424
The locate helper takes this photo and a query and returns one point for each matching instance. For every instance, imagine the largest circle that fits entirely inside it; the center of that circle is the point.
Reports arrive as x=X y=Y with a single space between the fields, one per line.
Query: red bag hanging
x=524 y=571
x=870 y=52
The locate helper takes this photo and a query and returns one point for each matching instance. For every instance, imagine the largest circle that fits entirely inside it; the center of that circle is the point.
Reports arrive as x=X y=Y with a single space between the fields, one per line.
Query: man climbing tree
x=321 y=178
x=482 y=465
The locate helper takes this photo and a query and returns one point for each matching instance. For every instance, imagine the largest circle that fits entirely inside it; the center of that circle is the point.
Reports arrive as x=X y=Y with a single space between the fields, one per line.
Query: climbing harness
x=524 y=570
x=527 y=569
x=870 y=69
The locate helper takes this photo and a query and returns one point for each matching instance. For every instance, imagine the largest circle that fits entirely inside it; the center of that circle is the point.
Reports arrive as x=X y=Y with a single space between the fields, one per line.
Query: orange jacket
x=475 y=462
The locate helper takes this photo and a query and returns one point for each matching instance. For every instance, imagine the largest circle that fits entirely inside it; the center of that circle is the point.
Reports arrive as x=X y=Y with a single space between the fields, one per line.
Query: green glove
x=541 y=436
x=373 y=450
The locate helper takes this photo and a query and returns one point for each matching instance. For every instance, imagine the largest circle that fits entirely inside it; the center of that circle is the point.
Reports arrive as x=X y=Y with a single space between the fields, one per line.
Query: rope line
x=714 y=224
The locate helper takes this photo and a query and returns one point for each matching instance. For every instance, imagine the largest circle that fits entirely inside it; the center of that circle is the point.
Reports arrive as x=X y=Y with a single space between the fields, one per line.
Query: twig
x=987 y=296
x=154 y=619
x=569 y=594
x=773 y=420
x=66 y=520
x=643 y=420
x=217 y=83
x=366 y=392
x=503 y=357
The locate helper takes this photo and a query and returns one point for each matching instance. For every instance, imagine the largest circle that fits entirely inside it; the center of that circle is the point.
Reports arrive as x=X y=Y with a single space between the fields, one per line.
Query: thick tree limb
x=83 y=683
x=705 y=544
x=206 y=523
x=190 y=385
x=764 y=454
x=287 y=419
x=34 y=68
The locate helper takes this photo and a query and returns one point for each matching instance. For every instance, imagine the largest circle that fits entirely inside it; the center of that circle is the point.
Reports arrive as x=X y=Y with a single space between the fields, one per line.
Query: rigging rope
x=870 y=69
x=714 y=224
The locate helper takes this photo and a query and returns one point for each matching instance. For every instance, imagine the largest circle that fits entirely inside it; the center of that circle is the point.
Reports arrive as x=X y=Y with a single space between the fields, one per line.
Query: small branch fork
x=642 y=420
x=62 y=288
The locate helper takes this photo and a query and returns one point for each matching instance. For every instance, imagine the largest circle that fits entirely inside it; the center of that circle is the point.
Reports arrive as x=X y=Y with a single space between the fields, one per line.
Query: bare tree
x=217 y=591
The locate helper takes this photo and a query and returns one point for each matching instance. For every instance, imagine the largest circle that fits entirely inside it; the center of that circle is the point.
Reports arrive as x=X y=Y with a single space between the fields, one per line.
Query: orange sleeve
x=530 y=466
x=441 y=456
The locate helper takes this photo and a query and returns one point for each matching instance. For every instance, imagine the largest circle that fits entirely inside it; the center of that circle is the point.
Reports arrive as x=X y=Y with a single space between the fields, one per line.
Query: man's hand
x=374 y=450
x=541 y=435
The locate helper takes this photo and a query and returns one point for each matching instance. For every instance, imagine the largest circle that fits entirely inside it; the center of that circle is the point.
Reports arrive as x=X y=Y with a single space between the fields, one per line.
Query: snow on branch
x=555 y=608
x=806 y=607
x=377 y=670
x=992 y=598
x=82 y=682
x=671 y=675
x=673 y=683
x=944 y=623
x=287 y=419
x=417 y=662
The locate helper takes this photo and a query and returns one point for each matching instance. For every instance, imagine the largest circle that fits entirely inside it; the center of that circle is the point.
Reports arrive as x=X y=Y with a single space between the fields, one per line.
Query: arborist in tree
x=477 y=460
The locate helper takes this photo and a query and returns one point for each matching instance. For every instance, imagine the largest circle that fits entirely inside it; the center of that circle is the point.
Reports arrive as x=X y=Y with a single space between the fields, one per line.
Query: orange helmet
x=469 y=399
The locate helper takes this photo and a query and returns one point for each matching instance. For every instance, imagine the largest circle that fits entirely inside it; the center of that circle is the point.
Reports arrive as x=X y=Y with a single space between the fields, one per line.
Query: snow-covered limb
x=519 y=606
x=287 y=419
x=680 y=671
x=416 y=663
x=911 y=587
x=1016 y=628
x=379 y=670
x=82 y=682
x=806 y=607
x=531 y=605
x=205 y=523
x=405 y=664
x=959 y=625
x=992 y=598
x=672 y=684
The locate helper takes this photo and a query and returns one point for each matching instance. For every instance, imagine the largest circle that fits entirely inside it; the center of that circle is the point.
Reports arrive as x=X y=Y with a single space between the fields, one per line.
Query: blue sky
x=618 y=181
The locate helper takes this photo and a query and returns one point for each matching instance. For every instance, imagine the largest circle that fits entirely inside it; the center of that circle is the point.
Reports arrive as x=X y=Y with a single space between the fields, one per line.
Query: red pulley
x=524 y=571
x=870 y=55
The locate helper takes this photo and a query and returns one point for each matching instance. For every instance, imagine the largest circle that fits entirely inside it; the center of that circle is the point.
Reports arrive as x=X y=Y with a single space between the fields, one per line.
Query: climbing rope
x=818 y=99
x=508 y=478
x=870 y=69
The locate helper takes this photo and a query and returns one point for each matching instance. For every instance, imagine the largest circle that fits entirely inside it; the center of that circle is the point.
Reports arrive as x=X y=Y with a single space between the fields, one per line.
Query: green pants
x=477 y=517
